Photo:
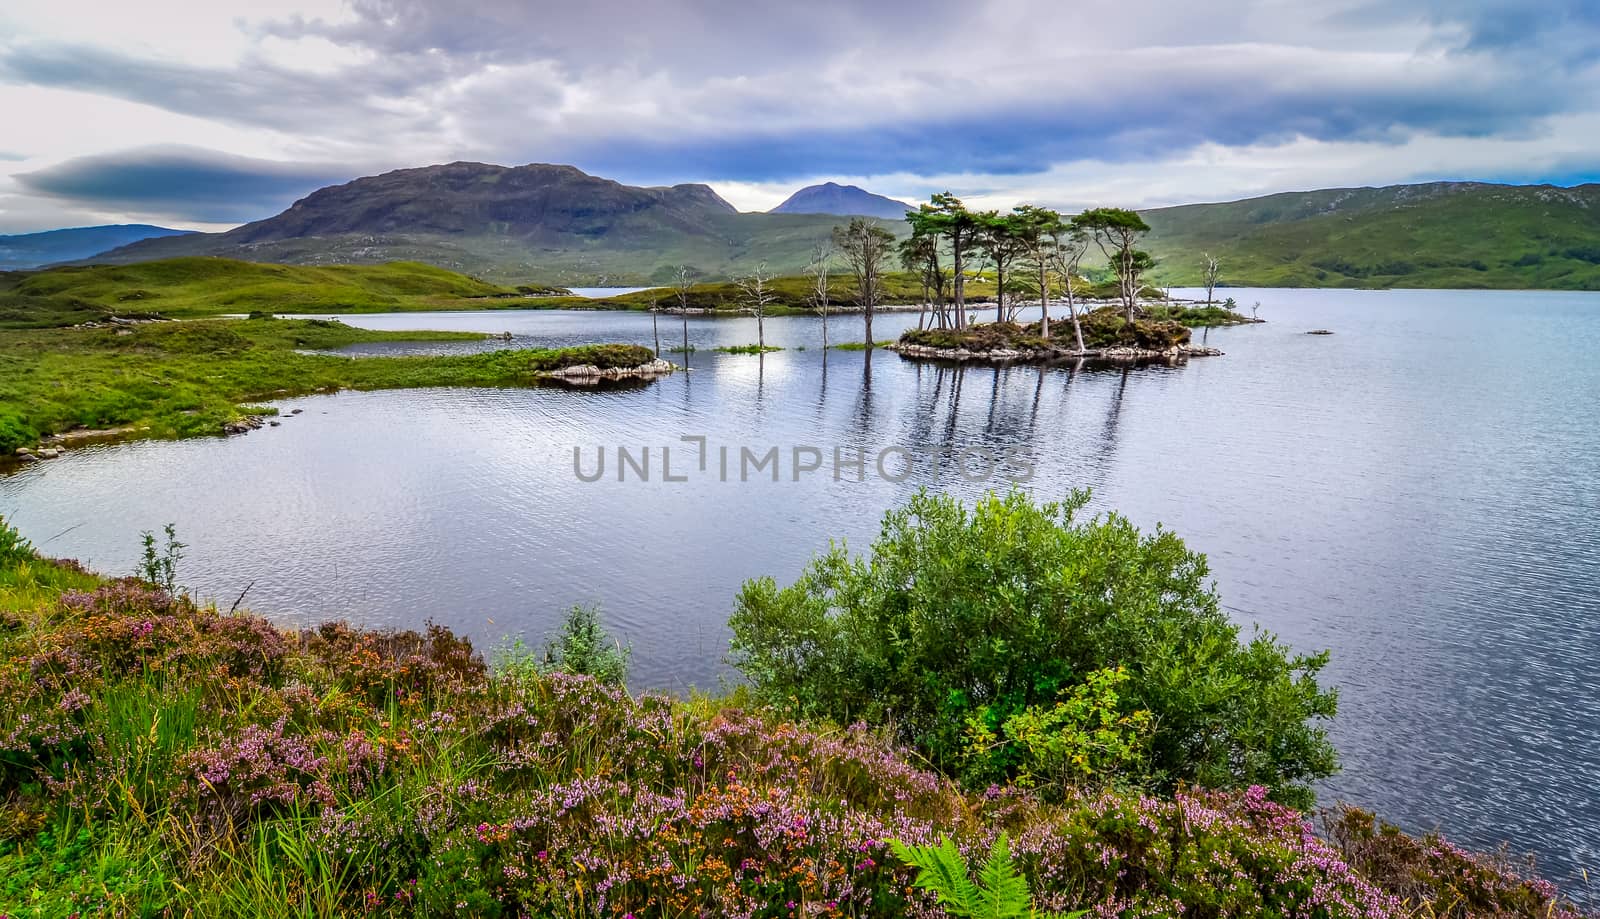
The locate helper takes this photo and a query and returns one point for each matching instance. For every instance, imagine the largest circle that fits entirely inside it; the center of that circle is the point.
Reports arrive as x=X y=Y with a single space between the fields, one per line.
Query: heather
x=160 y=757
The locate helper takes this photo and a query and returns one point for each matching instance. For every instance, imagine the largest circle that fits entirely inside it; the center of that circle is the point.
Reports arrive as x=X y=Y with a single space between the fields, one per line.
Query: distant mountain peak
x=842 y=200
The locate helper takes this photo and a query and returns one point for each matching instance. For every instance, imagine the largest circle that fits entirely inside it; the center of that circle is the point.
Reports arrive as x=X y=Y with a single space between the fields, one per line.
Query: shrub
x=13 y=547
x=584 y=649
x=1450 y=882
x=981 y=615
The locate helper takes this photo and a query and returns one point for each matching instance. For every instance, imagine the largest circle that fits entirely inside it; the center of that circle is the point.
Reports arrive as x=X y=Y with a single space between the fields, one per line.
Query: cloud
x=186 y=183
x=761 y=92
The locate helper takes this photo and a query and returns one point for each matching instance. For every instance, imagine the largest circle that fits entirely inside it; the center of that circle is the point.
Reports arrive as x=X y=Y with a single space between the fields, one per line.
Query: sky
x=209 y=114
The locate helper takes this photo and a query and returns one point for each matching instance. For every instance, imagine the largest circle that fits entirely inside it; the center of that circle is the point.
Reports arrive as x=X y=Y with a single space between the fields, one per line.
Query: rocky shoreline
x=1039 y=355
x=580 y=373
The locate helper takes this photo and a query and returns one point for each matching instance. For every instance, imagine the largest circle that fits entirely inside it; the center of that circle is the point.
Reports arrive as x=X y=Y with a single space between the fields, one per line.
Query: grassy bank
x=172 y=379
x=192 y=287
x=161 y=759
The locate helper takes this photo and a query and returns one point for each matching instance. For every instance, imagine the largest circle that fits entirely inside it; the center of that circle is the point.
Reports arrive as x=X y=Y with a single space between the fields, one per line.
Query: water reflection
x=1415 y=493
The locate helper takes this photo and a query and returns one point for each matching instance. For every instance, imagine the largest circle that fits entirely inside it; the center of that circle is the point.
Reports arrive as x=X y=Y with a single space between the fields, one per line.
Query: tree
x=946 y=217
x=1070 y=247
x=1000 y=240
x=756 y=295
x=1036 y=230
x=681 y=285
x=1117 y=232
x=1005 y=609
x=865 y=245
x=920 y=254
x=655 y=324
x=1211 y=269
x=817 y=268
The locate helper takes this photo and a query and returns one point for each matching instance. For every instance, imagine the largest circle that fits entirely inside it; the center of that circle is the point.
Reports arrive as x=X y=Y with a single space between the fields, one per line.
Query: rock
x=49 y=453
x=24 y=451
x=274 y=423
x=297 y=411
x=589 y=372
x=1319 y=332
x=27 y=458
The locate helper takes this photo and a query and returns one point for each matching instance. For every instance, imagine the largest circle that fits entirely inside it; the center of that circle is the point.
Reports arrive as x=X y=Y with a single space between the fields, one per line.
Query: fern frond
x=942 y=870
x=1004 y=893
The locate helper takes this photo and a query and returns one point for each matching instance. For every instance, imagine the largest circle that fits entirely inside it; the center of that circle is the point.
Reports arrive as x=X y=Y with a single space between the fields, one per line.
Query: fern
x=1000 y=892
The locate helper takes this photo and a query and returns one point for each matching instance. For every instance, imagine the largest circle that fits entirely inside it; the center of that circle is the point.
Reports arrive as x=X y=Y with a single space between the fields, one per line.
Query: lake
x=1417 y=492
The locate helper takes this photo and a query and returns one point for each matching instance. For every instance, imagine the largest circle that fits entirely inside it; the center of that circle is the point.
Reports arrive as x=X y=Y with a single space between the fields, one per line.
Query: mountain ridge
x=552 y=224
x=21 y=251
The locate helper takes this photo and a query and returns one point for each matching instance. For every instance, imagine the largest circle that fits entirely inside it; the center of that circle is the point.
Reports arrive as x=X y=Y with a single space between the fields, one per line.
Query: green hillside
x=1446 y=234
x=193 y=286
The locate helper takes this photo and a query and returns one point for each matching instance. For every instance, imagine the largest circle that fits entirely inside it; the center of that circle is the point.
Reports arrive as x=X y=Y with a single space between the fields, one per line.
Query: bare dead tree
x=755 y=296
x=655 y=324
x=1212 y=270
x=817 y=269
x=865 y=245
x=680 y=286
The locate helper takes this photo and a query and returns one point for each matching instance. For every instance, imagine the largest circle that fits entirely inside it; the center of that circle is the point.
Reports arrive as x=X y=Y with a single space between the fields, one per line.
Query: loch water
x=1418 y=493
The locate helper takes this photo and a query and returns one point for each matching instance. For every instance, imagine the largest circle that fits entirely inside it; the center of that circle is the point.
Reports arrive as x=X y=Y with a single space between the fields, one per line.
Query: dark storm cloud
x=179 y=182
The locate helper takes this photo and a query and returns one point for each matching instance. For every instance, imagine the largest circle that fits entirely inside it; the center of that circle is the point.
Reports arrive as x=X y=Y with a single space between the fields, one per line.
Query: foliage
x=160 y=567
x=1000 y=891
x=14 y=549
x=989 y=611
x=158 y=758
x=1087 y=737
x=584 y=649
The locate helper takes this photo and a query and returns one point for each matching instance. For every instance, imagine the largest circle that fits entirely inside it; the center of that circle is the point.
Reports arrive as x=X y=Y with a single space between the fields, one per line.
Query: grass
x=1448 y=235
x=159 y=758
x=859 y=345
x=176 y=379
x=194 y=287
x=746 y=349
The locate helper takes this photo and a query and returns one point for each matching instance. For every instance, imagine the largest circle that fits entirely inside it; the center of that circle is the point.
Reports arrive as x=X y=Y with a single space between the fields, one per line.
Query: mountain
x=1438 y=234
x=558 y=225
x=553 y=223
x=30 y=250
x=842 y=201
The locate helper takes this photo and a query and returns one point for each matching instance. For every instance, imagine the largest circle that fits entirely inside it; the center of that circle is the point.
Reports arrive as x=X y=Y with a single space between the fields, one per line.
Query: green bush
x=975 y=616
x=584 y=649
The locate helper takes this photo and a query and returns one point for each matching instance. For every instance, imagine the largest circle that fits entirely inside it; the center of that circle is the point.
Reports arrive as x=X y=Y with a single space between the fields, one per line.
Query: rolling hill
x=191 y=287
x=31 y=250
x=842 y=201
x=1441 y=234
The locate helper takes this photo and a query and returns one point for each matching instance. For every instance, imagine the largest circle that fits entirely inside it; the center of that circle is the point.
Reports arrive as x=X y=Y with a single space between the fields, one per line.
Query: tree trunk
x=1072 y=310
x=960 y=282
x=761 y=332
x=655 y=327
x=1044 y=299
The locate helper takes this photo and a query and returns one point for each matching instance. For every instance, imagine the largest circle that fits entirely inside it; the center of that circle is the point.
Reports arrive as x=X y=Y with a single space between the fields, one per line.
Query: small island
x=1156 y=332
